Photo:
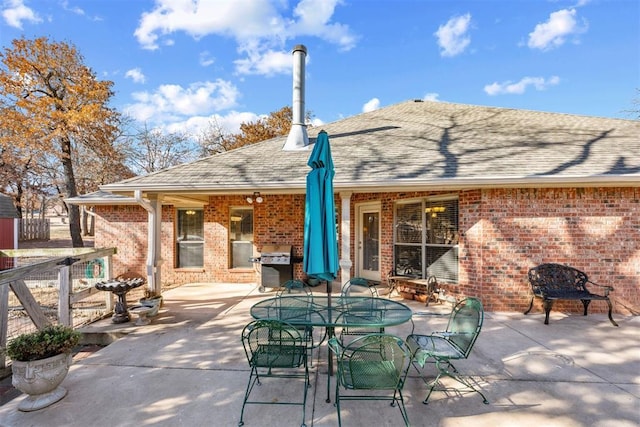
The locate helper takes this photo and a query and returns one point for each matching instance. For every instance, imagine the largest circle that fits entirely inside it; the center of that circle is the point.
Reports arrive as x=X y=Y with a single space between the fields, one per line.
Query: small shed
x=8 y=229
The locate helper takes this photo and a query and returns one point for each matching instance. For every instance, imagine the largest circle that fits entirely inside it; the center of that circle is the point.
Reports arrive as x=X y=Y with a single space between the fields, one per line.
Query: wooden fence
x=58 y=265
x=34 y=229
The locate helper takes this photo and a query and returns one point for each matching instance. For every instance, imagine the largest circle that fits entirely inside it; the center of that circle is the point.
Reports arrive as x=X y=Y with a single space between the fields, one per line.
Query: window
x=426 y=239
x=190 y=238
x=241 y=237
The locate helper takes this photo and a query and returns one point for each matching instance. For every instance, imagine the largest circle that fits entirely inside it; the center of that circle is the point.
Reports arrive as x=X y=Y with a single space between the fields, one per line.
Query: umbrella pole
x=331 y=333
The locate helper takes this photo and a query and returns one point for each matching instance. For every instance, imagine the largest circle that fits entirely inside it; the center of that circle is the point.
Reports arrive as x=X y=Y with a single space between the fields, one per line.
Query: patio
x=188 y=368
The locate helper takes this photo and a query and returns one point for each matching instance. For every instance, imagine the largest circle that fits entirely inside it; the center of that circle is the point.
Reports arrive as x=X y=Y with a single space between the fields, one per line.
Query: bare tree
x=150 y=150
x=634 y=111
x=214 y=139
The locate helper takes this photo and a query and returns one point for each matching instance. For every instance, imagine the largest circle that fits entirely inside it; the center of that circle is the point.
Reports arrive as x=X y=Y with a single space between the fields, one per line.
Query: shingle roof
x=7 y=208
x=427 y=144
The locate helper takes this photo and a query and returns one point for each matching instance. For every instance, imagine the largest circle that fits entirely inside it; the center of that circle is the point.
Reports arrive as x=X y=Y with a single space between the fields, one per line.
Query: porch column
x=345 y=236
x=154 y=266
x=153 y=206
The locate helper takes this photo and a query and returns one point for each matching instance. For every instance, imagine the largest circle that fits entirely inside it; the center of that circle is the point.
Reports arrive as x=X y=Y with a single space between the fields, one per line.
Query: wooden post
x=4 y=321
x=64 y=296
x=108 y=275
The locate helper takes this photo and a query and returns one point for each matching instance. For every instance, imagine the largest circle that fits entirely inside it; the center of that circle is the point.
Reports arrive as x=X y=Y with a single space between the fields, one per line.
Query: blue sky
x=180 y=64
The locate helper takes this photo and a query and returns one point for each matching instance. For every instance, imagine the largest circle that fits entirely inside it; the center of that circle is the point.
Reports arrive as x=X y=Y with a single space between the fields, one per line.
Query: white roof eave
x=365 y=186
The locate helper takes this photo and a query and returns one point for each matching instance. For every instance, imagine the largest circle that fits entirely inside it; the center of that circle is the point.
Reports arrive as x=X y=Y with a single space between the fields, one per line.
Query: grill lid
x=276 y=254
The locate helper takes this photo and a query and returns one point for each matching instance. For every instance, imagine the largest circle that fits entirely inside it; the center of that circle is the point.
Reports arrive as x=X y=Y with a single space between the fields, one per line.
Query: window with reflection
x=190 y=238
x=241 y=237
x=426 y=239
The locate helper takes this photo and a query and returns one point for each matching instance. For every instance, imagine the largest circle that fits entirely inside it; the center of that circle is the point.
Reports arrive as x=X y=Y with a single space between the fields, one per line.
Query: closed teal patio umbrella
x=320 y=257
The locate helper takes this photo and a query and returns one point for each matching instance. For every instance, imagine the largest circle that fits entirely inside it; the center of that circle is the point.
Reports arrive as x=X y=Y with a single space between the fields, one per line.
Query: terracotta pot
x=421 y=297
x=40 y=380
x=406 y=295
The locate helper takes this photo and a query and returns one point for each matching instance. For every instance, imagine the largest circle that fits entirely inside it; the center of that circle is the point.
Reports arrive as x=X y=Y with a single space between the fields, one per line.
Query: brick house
x=471 y=194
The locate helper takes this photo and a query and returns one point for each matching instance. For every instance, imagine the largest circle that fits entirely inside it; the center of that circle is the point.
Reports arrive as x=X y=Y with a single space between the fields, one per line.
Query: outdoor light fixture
x=255 y=198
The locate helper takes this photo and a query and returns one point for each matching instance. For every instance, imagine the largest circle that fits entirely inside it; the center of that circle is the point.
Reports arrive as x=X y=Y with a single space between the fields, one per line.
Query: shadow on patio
x=188 y=368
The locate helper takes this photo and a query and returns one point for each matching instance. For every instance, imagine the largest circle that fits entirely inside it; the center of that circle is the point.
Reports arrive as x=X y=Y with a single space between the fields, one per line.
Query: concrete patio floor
x=188 y=368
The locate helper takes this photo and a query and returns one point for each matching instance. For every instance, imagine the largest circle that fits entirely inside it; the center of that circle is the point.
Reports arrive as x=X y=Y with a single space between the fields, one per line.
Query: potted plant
x=40 y=362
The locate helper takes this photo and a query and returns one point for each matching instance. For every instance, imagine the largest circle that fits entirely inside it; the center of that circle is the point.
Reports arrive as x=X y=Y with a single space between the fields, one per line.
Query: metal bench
x=560 y=282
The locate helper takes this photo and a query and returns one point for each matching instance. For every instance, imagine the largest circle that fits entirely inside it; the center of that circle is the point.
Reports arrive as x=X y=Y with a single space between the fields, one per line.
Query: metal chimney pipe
x=298 y=137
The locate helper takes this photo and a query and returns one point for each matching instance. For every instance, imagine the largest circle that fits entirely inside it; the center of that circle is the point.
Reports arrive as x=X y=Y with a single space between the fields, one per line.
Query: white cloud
x=314 y=20
x=266 y=63
x=173 y=102
x=261 y=28
x=206 y=59
x=136 y=75
x=452 y=36
x=518 y=88
x=317 y=122
x=196 y=125
x=554 y=32
x=431 y=97
x=373 y=104
x=16 y=12
x=74 y=9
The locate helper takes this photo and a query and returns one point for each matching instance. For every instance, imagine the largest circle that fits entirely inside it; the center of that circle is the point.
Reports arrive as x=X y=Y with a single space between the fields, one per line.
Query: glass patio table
x=331 y=312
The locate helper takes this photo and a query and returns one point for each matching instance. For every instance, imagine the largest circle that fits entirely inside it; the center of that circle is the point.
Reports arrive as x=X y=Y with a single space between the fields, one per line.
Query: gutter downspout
x=154 y=209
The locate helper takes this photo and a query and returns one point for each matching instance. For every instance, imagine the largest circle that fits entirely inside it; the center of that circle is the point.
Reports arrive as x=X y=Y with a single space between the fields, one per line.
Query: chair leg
x=397 y=397
x=450 y=371
x=585 y=303
x=610 y=309
x=337 y=401
x=530 y=306
x=547 y=304
x=253 y=379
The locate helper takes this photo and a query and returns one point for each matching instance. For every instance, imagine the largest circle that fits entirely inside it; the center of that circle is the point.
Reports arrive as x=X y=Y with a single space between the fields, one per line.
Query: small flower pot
x=154 y=302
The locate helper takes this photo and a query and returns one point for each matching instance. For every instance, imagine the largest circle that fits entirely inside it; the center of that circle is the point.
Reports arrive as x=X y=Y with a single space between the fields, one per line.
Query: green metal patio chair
x=274 y=349
x=370 y=365
x=359 y=287
x=295 y=302
x=465 y=323
x=294 y=287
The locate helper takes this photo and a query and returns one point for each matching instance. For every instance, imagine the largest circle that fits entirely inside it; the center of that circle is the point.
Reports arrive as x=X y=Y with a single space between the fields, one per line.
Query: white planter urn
x=40 y=380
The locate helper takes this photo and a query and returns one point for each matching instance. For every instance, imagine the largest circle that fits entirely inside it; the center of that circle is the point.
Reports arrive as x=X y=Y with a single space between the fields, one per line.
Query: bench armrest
x=606 y=288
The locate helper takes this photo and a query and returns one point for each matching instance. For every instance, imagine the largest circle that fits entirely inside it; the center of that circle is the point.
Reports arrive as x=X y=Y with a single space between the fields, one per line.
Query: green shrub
x=47 y=342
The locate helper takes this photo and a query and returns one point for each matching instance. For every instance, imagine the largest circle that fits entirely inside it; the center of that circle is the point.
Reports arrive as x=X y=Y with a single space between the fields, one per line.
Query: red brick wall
x=125 y=228
x=503 y=233
x=278 y=220
x=596 y=230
